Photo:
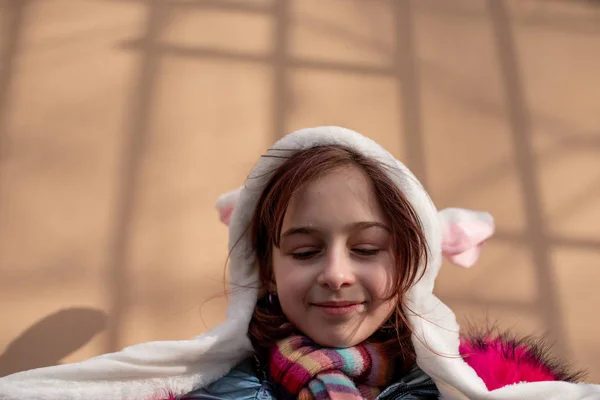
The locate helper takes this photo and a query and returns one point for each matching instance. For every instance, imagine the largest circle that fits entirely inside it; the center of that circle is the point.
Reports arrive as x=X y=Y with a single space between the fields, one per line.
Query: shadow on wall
x=138 y=126
x=52 y=339
x=14 y=20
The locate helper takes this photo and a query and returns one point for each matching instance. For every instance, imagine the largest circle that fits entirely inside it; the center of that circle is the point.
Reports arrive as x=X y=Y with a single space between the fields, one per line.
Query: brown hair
x=269 y=324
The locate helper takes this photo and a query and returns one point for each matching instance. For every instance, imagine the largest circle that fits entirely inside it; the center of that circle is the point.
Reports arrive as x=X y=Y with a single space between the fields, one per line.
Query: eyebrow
x=356 y=226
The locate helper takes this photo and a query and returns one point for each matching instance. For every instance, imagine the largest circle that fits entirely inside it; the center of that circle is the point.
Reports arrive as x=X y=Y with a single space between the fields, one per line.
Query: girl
x=334 y=250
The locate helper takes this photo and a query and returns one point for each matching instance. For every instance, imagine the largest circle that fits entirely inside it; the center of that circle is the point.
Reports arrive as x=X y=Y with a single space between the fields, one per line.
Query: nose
x=337 y=271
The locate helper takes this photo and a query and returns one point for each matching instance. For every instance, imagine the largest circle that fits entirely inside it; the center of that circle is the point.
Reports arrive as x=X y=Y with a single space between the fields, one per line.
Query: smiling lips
x=338 y=307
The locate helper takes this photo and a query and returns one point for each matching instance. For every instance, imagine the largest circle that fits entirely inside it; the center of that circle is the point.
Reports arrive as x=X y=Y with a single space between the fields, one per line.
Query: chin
x=335 y=339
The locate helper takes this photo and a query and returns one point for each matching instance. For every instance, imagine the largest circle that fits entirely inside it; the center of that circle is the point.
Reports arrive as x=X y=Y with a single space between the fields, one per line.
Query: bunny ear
x=463 y=234
x=226 y=203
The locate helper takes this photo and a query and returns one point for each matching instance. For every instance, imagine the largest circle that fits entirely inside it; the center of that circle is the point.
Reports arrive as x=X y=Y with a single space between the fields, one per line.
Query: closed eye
x=366 y=252
x=305 y=255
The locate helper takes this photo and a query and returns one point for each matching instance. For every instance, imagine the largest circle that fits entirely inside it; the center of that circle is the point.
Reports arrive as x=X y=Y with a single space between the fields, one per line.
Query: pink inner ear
x=455 y=240
x=225 y=205
x=225 y=215
x=466 y=259
x=462 y=241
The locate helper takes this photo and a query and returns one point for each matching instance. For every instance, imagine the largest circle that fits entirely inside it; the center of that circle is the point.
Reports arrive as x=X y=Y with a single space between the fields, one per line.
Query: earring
x=271 y=298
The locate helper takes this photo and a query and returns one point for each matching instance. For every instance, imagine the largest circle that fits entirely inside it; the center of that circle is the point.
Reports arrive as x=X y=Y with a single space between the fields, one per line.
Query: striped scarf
x=307 y=371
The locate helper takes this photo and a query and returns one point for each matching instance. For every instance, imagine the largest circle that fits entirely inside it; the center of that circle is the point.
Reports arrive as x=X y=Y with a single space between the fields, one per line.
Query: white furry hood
x=149 y=370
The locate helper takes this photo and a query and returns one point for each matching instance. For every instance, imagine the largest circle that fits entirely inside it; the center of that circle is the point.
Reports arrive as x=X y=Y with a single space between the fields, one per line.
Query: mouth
x=339 y=307
x=337 y=303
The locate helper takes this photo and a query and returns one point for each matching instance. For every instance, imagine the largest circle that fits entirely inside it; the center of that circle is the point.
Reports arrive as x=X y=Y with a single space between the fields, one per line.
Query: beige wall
x=121 y=121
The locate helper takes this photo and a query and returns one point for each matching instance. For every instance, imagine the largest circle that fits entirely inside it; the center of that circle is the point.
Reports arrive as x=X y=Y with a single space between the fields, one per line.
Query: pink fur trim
x=501 y=361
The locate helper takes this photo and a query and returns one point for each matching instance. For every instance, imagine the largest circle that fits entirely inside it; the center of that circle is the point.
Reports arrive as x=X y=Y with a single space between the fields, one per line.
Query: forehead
x=345 y=193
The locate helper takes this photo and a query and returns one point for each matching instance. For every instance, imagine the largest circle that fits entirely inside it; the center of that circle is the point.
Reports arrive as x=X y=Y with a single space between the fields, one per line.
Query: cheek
x=384 y=311
x=291 y=283
x=292 y=294
x=288 y=286
x=379 y=280
x=380 y=283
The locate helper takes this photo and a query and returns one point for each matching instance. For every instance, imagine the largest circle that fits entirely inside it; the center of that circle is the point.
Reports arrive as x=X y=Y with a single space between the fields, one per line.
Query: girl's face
x=335 y=264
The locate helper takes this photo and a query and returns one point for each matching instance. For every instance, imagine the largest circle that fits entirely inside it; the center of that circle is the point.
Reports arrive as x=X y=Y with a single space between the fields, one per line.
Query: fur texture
x=502 y=359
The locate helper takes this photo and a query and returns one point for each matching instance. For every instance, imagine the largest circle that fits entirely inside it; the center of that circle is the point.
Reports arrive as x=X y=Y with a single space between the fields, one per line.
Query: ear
x=464 y=232
x=226 y=204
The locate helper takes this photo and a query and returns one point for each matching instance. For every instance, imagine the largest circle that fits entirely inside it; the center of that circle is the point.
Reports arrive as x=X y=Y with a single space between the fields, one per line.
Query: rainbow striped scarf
x=307 y=371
